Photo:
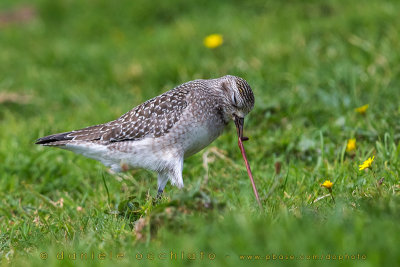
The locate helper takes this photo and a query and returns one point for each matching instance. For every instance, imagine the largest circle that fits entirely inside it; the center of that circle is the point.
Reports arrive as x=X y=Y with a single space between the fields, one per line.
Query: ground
x=70 y=64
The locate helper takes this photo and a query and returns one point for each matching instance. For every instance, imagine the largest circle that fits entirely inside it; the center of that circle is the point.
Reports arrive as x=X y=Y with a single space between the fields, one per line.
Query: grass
x=70 y=64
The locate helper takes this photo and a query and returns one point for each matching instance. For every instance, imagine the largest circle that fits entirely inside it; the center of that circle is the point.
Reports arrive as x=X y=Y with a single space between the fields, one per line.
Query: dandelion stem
x=330 y=191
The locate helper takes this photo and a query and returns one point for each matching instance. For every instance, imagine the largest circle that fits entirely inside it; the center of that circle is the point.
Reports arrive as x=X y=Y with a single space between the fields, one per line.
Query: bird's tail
x=90 y=133
x=55 y=139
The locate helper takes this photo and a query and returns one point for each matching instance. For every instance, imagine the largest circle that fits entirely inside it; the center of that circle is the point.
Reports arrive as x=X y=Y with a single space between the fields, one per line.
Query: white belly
x=149 y=153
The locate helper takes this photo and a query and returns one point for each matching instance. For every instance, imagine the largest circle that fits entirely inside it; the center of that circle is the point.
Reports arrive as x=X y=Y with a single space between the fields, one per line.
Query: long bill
x=239 y=122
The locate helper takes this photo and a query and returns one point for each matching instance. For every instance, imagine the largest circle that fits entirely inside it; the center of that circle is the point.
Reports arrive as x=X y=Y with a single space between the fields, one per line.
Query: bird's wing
x=153 y=118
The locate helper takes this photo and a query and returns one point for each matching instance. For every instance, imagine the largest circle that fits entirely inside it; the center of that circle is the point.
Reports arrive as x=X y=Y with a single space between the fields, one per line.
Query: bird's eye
x=235 y=101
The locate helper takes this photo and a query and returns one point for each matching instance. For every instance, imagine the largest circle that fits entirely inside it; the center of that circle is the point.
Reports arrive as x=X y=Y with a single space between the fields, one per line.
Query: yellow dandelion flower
x=362 y=109
x=213 y=41
x=366 y=164
x=351 y=145
x=327 y=184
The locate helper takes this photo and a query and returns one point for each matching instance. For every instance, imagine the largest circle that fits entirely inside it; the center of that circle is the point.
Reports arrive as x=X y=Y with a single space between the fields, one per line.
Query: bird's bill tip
x=239 y=125
x=239 y=122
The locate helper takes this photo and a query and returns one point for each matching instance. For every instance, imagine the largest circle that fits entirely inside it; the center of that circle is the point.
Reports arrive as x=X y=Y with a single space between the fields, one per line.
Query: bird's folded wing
x=153 y=118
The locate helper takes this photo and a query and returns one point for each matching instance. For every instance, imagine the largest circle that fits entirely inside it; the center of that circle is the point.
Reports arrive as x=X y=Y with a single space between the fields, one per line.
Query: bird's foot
x=159 y=193
x=157 y=199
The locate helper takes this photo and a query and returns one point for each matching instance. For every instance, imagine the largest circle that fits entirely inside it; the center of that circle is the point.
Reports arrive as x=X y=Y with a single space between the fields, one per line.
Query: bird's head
x=238 y=100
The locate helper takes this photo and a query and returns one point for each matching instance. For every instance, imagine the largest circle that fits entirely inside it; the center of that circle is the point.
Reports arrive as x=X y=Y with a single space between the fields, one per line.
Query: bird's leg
x=162 y=181
x=173 y=174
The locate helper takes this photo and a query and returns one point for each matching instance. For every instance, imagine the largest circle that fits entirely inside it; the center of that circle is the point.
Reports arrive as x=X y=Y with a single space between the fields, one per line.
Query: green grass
x=310 y=64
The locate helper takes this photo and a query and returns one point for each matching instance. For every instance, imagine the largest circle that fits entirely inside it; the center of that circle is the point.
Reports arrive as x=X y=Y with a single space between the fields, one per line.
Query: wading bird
x=158 y=134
